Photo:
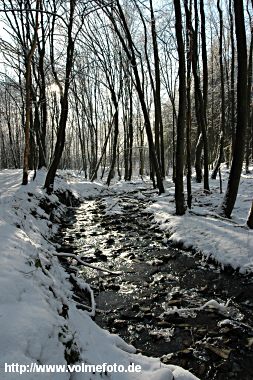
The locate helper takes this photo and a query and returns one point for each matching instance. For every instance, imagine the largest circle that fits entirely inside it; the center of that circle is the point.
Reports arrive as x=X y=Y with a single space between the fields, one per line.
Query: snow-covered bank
x=34 y=328
x=229 y=242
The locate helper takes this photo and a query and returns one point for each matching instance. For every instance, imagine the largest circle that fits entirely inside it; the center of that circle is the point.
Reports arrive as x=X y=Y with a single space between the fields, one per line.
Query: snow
x=187 y=312
x=228 y=241
x=35 y=287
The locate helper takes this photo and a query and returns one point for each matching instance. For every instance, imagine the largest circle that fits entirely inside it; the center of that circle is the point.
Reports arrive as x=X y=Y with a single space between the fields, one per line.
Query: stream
x=167 y=302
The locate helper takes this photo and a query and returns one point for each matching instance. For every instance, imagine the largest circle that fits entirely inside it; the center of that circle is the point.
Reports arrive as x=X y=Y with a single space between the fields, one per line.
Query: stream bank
x=157 y=302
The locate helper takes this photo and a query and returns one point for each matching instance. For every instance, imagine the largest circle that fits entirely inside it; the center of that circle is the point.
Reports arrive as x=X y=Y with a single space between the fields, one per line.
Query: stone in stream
x=114 y=287
x=103 y=257
x=135 y=307
x=65 y=249
x=100 y=255
x=145 y=309
x=131 y=315
x=163 y=324
x=70 y=238
x=94 y=233
x=89 y=258
x=68 y=225
x=110 y=241
x=119 y=323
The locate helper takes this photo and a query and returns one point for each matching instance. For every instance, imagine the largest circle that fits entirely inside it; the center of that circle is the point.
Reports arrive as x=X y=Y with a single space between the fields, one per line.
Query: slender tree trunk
x=130 y=52
x=60 y=142
x=188 y=114
x=114 y=146
x=159 y=141
x=237 y=162
x=250 y=218
x=204 y=57
x=43 y=99
x=80 y=135
x=199 y=142
x=179 y=183
x=222 y=94
x=129 y=152
x=103 y=152
x=232 y=81
x=8 y=120
x=131 y=138
x=201 y=113
x=28 y=105
x=249 y=90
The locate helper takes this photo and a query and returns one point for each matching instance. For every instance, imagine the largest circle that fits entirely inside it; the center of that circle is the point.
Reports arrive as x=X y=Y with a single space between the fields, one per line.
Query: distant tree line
x=113 y=88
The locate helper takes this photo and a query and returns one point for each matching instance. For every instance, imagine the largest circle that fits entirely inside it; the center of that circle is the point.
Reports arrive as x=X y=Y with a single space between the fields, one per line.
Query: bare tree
x=237 y=162
x=117 y=15
x=179 y=183
x=64 y=93
x=222 y=94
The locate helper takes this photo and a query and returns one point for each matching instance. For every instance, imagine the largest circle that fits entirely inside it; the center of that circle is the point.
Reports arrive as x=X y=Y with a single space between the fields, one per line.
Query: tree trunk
x=237 y=162
x=249 y=89
x=28 y=105
x=222 y=119
x=204 y=56
x=188 y=114
x=250 y=218
x=159 y=141
x=179 y=183
x=200 y=102
x=130 y=52
x=60 y=142
x=114 y=146
x=43 y=99
x=232 y=81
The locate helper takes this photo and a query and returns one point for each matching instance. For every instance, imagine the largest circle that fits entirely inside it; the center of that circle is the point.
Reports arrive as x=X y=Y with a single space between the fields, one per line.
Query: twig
x=88 y=308
x=86 y=287
x=86 y=264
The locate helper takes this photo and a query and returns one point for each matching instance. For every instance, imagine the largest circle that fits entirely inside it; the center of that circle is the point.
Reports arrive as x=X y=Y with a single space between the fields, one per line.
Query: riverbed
x=167 y=302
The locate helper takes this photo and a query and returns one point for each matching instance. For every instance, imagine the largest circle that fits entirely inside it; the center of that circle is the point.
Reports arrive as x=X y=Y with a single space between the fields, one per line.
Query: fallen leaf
x=222 y=352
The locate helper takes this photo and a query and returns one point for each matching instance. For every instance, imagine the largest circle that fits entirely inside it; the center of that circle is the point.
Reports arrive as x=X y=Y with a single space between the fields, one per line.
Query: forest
x=126 y=204
x=114 y=88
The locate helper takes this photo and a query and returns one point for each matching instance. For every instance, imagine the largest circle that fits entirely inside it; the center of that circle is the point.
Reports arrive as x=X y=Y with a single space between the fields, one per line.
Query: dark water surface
x=143 y=304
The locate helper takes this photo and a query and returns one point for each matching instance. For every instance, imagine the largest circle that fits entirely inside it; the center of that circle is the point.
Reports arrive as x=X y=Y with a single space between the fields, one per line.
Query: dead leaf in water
x=250 y=342
x=222 y=352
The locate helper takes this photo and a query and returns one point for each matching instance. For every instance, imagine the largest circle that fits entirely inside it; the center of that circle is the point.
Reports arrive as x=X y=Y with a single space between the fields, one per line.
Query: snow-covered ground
x=228 y=241
x=39 y=321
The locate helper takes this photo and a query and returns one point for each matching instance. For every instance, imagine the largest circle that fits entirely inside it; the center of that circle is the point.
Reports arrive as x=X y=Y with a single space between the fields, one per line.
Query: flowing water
x=157 y=302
